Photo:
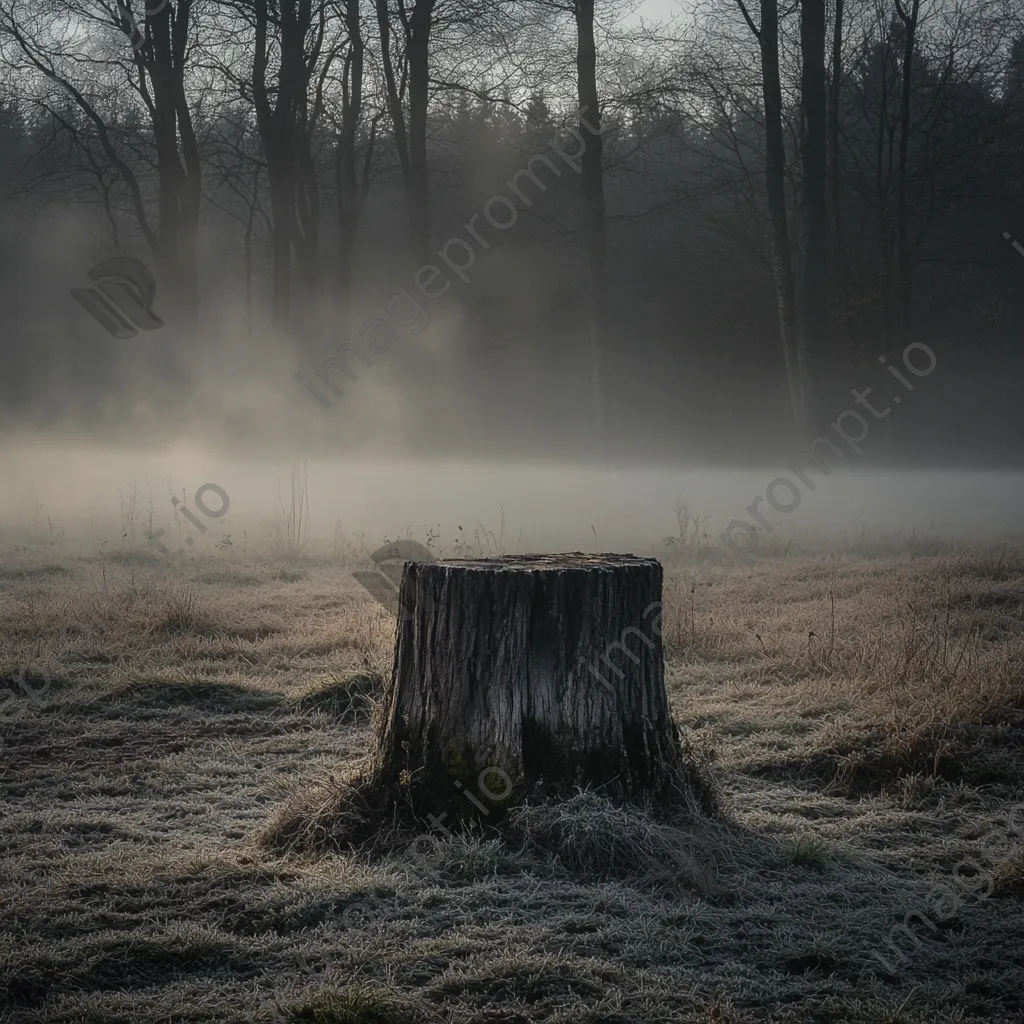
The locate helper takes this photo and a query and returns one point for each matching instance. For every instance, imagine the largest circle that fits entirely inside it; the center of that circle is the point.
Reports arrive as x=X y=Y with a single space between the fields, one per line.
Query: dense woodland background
x=779 y=194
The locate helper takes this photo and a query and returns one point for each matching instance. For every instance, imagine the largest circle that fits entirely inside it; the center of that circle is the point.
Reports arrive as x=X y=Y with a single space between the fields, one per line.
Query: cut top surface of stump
x=545 y=563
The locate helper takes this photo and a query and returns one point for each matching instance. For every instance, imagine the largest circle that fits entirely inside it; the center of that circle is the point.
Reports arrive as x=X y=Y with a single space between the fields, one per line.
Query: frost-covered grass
x=864 y=719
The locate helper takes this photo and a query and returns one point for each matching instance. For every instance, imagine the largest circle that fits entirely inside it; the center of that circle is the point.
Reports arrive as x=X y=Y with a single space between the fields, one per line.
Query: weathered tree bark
x=529 y=676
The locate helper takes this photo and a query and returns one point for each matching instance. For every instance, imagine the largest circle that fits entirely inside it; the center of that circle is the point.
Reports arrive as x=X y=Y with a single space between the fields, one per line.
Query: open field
x=862 y=716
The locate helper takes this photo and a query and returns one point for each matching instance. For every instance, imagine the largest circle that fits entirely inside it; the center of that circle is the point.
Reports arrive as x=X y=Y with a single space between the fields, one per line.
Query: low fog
x=83 y=496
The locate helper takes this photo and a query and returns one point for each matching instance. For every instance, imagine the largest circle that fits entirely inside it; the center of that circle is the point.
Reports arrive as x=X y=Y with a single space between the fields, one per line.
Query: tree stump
x=530 y=675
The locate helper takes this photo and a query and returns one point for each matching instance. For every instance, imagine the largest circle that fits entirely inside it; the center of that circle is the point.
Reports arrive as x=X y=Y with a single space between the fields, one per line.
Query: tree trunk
x=840 y=261
x=347 y=185
x=281 y=245
x=287 y=128
x=394 y=96
x=268 y=123
x=160 y=49
x=812 y=294
x=910 y=20
x=530 y=675
x=592 y=170
x=417 y=31
x=775 y=183
x=411 y=139
x=163 y=56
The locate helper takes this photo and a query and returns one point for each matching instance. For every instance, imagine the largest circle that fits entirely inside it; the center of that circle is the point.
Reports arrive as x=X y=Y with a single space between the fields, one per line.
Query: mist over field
x=527 y=506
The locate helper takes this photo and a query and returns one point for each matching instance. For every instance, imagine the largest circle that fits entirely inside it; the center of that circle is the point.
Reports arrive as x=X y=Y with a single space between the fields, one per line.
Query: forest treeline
x=681 y=239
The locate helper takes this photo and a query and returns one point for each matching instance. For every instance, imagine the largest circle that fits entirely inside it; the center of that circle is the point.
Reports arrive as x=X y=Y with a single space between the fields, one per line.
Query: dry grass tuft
x=1008 y=876
x=590 y=835
x=807 y=852
x=357 y=1004
x=182 y=612
x=363 y=814
x=340 y=815
x=346 y=696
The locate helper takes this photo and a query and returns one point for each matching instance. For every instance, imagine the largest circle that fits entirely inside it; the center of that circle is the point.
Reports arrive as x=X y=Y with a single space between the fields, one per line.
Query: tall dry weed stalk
x=296 y=512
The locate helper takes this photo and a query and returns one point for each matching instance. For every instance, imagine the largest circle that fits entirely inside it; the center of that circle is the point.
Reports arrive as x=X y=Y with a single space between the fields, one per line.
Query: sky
x=652 y=10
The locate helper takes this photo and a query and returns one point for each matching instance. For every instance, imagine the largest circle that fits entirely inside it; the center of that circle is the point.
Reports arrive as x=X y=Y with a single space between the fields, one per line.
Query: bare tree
x=351 y=169
x=237 y=168
x=920 y=79
x=594 y=210
x=287 y=116
x=591 y=158
x=813 y=303
x=767 y=35
x=415 y=23
x=909 y=16
x=840 y=259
